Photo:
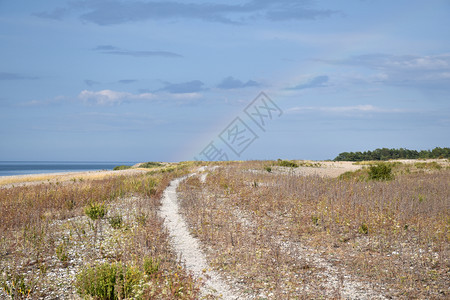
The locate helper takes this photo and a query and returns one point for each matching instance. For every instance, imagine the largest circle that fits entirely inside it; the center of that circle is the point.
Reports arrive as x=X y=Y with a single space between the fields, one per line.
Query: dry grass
x=9 y=181
x=46 y=238
x=276 y=235
x=391 y=237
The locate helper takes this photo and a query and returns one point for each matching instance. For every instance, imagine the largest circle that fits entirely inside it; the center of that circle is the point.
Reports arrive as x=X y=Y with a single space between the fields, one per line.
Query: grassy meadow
x=272 y=229
x=95 y=236
x=287 y=236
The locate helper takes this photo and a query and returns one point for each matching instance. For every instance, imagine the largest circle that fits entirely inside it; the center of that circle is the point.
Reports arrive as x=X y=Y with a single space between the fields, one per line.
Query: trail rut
x=187 y=247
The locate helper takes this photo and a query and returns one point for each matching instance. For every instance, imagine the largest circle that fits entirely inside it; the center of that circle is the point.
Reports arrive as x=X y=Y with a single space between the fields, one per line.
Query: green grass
x=122 y=167
x=287 y=163
x=428 y=165
x=108 y=281
x=150 y=165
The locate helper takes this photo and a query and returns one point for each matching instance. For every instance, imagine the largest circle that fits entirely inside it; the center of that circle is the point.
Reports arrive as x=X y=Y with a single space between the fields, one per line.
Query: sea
x=9 y=168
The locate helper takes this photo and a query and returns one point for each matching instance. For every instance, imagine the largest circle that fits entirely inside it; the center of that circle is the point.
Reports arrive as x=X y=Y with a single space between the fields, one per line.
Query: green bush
x=151 y=266
x=16 y=285
x=61 y=252
x=122 y=167
x=268 y=169
x=95 y=211
x=363 y=229
x=108 y=281
x=116 y=221
x=380 y=172
x=287 y=163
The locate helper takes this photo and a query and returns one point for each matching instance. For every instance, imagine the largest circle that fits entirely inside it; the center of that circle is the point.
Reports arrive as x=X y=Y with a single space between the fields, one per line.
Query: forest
x=386 y=154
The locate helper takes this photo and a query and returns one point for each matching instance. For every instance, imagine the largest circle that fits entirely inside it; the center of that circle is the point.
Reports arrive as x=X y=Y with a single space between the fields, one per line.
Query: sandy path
x=188 y=247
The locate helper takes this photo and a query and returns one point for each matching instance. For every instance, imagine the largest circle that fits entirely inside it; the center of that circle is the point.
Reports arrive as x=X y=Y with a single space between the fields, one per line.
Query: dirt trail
x=187 y=247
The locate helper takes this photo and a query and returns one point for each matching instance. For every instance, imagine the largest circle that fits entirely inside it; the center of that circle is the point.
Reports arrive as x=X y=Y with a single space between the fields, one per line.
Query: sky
x=153 y=80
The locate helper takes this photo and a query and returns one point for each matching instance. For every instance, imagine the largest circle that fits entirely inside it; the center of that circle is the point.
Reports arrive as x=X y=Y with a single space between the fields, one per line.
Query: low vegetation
x=122 y=167
x=275 y=234
x=380 y=171
x=268 y=229
x=287 y=163
x=150 y=165
x=98 y=238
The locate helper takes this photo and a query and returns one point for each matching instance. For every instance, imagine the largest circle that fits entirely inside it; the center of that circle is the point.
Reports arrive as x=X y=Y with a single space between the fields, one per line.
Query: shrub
x=287 y=163
x=380 y=172
x=141 y=218
x=268 y=169
x=358 y=175
x=151 y=266
x=62 y=253
x=95 y=211
x=16 y=286
x=363 y=228
x=116 y=221
x=108 y=281
x=122 y=167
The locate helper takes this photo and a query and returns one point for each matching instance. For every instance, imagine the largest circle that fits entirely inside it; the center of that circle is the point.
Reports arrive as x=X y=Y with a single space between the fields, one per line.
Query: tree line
x=386 y=154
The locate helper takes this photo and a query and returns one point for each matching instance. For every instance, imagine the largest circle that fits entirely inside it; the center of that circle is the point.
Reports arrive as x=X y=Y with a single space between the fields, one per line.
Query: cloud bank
x=15 y=76
x=117 y=12
x=109 y=97
x=108 y=49
x=362 y=108
x=232 y=83
x=193 y=86
x=432 y=71
x=316 y=82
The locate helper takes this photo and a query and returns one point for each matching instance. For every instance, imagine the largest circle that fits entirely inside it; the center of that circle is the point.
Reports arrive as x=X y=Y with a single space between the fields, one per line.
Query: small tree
x=380 y=172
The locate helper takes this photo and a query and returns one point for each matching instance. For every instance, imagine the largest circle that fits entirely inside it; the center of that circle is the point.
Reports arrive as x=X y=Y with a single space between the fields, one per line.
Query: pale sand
x=188 y=247
x=326 y=169
x=335 y=168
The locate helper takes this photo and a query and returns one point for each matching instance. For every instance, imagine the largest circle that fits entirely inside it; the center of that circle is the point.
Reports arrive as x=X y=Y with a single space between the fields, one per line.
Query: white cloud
x=318 y=39
x=118 y=12
x=430 y=71
x=54 y=101
x=109 y=97
x=365 y=108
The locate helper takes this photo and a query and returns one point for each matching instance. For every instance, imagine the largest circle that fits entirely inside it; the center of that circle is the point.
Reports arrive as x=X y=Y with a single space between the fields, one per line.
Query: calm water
x=8 y=168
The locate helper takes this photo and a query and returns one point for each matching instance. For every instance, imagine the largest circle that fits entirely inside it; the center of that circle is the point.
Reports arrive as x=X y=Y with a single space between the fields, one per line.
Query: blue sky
x=160 y=80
